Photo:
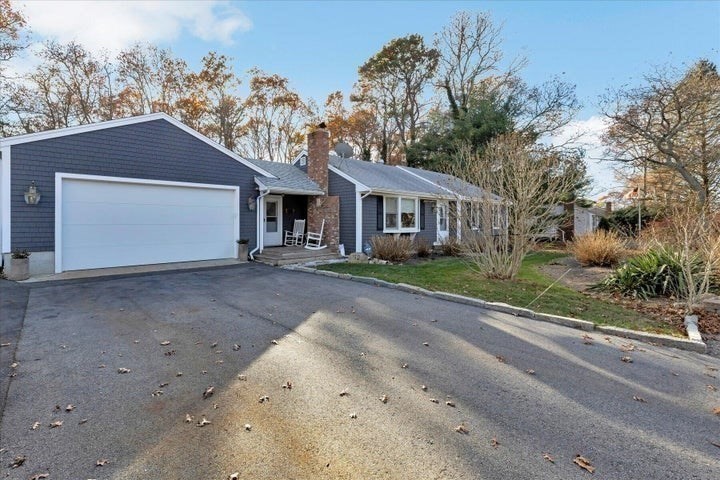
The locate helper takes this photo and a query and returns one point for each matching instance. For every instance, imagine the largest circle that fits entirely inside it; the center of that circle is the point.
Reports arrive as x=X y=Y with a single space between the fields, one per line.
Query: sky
x=319 y=45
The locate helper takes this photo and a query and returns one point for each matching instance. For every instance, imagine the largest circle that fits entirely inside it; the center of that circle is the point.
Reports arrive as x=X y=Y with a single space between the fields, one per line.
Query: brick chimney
x=322 y=207
x=318 y=156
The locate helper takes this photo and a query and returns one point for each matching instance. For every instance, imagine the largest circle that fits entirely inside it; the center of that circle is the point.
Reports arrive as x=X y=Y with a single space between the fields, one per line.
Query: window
x=401 y=214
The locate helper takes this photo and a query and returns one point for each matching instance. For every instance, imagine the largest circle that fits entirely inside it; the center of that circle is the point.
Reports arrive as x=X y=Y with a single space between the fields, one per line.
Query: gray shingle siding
x=153 y=150
x=346 y=191
x=369 y=212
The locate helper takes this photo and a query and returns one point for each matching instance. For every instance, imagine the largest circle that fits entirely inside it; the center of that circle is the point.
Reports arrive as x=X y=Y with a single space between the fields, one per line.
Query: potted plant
x=242 y=252
x=19 y=265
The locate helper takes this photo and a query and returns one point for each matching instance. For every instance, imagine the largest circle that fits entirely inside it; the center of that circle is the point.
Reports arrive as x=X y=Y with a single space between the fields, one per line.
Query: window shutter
x=380 y=211
x=422 y=215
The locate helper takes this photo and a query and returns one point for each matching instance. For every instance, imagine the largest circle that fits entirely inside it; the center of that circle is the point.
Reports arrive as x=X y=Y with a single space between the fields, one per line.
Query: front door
x=442 y=221
x=272 y=223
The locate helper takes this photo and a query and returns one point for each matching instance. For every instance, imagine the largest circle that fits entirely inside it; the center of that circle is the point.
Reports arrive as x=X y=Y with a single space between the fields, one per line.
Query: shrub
x=20 y=254
x=423 y=247
x=599 y=248
x=391 y=248
x=451 y=247
x=655 y=273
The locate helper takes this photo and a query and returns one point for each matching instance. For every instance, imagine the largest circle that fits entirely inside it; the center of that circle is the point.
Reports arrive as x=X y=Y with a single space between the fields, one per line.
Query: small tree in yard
x=523 y=182
x=696 y=239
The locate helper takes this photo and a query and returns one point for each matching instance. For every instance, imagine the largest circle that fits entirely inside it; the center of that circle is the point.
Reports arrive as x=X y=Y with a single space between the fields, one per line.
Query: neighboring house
x=149 y=189
x=574 y=220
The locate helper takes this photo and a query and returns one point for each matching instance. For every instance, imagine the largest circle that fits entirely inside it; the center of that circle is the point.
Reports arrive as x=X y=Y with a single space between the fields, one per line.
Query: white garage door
x=111 y=223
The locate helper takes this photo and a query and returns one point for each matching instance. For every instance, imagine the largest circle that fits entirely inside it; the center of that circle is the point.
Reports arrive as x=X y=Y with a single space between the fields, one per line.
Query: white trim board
x=60 y=176
x=5 y=198
x=62 y=132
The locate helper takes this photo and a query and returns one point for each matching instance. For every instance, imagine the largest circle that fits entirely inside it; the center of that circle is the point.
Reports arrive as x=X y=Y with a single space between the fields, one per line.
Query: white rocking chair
x=314 y=239
x=295 y=236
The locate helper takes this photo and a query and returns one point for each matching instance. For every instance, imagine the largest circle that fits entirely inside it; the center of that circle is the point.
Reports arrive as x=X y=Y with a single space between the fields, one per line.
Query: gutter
x=258 y=228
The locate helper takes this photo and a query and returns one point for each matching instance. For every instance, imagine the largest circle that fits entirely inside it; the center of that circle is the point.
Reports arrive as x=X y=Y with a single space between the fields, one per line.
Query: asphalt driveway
x=527 y=392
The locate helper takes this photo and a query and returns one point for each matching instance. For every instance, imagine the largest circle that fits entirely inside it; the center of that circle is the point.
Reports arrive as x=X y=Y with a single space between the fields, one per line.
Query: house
x=149 y=189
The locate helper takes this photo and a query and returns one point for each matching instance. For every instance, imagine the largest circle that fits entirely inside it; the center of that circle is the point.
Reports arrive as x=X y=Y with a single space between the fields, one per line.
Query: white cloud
x=587 y=134
x=114 y=25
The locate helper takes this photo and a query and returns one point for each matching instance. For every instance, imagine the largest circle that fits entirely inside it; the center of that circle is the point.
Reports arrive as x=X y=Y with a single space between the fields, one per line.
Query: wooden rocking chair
x=314 y=239
x=296 y=235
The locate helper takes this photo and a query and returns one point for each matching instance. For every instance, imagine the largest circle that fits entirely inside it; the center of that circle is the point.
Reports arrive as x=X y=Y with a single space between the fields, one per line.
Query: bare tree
x=470 y=58
x=673 y=121
x=523 y=182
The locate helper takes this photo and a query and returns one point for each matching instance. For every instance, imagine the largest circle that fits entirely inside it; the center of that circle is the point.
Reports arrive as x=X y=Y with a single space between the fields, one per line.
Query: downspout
x=258 y=224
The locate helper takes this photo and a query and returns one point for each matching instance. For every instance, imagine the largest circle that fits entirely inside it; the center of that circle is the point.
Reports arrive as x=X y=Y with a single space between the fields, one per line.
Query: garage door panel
x=94 y=213
x=139 y=194
x=91 y=257
x=109 y=224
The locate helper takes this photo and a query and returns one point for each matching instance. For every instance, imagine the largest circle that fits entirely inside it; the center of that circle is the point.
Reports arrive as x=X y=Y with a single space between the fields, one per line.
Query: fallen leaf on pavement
x=169 y=353
x=639 y=399
x=423 y=388
x=583 y=463
x=55 y=424
x=17 y=461
x=627 y=359
x=344 y=393
x=164 y=384
x=353 y=415
x=627 y=347
x=712 y=388
x=14 y=365
x=404 y=365
x=384 y=399
x=242 y=378
x=165 y=343
x=136 y=341
x=713 y=369
x=234 y=476
x=203 y=422
x=274 y=342
x=716 y=444
x=208 y=392
x=500 y=358
x=70 y=407
x=434 y=400
x=102 y=462
x=188 y=418
x=84 y=420
x=450 y=404
x=426 y=344
x=102 y=365
x=5 y=344
x=494 y=443
x=178 y=374
x=219 y=362
x=157 y=393
x=236 y=347
x=215 y=406
x=288 y=385
x=40 y=476
x=213 y=345
x=248 y=427
x=123 y=370
x=547 y=457
x=35 y=426
x=530 y=371
x=263 y=399
x=462 y=429
x=716 y=410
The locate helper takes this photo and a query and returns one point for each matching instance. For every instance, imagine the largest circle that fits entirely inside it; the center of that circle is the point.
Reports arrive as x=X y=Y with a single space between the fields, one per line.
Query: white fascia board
x=299 y=156
x=359 y=186
x=5 y=199
x=63 y=132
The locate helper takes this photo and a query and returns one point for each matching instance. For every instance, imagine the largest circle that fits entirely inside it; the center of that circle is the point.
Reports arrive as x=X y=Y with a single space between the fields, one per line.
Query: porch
x=296 y=254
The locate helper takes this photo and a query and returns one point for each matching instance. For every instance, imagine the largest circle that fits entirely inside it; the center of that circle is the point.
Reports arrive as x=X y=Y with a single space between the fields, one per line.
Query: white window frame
x=398 y=199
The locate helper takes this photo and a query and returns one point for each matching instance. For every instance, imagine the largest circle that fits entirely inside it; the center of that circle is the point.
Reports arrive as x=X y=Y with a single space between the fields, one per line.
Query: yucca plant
x=655 y=273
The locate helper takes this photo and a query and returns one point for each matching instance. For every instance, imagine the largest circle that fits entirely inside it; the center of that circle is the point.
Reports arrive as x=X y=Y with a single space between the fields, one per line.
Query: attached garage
x=109 y=222
x=132 y=191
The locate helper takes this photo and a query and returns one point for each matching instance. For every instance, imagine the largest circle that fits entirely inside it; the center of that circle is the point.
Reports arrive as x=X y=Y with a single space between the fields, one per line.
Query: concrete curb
x=694 y=343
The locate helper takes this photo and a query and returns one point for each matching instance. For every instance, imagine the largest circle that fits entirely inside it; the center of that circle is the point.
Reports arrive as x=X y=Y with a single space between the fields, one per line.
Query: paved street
x=649 y=417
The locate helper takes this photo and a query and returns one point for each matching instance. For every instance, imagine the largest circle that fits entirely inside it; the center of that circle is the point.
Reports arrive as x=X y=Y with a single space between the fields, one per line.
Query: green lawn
x=453 y=275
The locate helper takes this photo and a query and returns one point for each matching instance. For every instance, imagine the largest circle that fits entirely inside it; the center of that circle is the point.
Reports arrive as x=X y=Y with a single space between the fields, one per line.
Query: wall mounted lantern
x=251 y=203
x=32 y=195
